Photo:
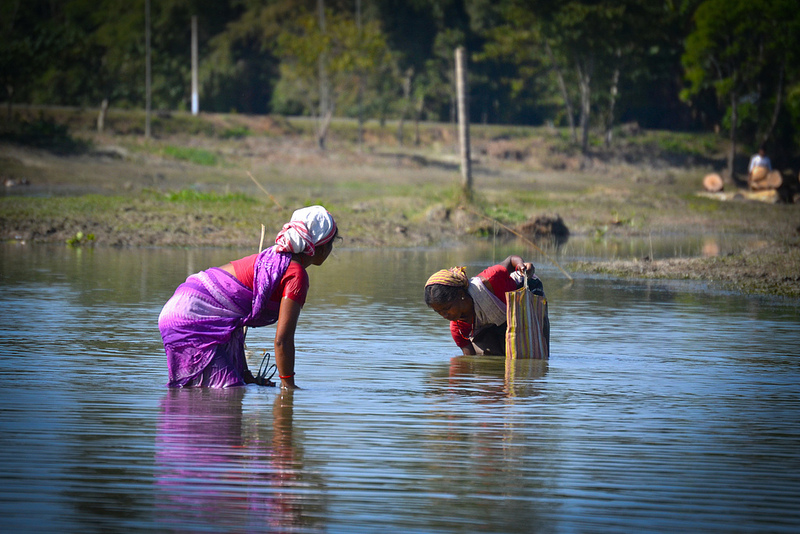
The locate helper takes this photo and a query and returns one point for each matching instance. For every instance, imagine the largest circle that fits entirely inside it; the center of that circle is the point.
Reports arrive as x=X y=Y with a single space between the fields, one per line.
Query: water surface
x=664 y=407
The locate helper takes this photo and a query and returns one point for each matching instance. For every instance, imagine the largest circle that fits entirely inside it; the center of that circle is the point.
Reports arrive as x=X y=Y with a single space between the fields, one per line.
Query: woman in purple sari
x=202 y=325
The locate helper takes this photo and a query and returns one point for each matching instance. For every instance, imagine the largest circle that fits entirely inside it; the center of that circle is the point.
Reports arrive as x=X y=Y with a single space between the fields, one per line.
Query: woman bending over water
x=202 y=325
x=476 y=307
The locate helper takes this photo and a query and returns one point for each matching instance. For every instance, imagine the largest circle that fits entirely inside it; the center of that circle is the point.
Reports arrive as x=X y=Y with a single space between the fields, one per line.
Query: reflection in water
x=220 y=468
x=494 y=378
x=710 y=248
x=479 y=428
x=521 y=376
x=654 y=413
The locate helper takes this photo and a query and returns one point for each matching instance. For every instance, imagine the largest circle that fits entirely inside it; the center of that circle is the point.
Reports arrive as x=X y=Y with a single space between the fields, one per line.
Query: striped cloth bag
x=525 y=315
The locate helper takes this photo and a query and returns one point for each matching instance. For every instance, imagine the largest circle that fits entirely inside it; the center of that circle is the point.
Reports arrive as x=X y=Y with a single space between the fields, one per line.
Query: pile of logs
x=769 y=186
x=760 y=179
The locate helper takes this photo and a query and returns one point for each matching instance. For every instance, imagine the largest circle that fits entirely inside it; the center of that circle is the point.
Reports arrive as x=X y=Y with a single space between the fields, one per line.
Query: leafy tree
x=241 y=68
x=31 y=42
x=521 y=40
x=325 y=55
x=578 y=51
x=742 y=50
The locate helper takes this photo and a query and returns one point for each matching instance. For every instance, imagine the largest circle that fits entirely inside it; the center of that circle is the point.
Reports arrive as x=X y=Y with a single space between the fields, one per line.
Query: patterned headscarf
x=308 y=228
x=456 y=276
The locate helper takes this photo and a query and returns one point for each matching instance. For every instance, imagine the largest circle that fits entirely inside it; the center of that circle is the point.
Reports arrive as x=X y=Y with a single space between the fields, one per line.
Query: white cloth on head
x=308 y=228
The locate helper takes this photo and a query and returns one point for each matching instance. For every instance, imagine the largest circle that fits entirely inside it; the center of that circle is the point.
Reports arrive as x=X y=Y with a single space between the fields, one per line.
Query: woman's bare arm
x=284 y=341
x=516 y=263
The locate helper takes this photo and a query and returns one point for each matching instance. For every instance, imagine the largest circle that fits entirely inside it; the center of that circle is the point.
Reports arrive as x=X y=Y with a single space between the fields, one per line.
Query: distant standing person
x=202 y=325
x=759 y=167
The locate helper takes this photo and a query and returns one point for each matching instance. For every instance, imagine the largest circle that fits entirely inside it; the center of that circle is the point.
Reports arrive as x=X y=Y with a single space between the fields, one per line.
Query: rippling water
x=664 y=407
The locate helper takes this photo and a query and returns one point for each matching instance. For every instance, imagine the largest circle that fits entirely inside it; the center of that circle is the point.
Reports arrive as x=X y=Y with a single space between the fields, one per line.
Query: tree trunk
x=323 y=127
x=418 y=118
x=360 y=113
x=732 y=151
x=612 y=99
x=406 y=101
x=778 y=103
x=562 y=86
x=10 y=91
x=101 y=117
x=585 y=80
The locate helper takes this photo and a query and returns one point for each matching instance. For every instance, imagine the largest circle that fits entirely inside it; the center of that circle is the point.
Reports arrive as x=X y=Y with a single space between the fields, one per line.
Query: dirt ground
x=387 y=195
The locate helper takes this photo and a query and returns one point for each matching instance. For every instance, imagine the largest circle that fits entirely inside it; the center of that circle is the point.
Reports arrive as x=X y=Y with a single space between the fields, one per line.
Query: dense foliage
x=671 y=64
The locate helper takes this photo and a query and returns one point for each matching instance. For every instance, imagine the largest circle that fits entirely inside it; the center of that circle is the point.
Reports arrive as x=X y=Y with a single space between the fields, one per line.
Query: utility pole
x=147 y=68
x=463 y=121
x=325 y=101
x=360 y=83
x=195 y=95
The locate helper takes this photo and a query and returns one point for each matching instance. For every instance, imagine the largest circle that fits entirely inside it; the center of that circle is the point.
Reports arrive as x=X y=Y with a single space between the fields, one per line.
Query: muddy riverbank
x=215 y=190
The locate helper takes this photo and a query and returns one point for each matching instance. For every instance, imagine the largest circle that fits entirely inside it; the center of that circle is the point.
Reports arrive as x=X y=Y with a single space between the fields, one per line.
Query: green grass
x=198 y=156
x=191 y=195
x=236 y=132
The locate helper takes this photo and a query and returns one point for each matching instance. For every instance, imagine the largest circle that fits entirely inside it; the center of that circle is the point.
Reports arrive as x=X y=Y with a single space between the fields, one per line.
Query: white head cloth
x=308 y=228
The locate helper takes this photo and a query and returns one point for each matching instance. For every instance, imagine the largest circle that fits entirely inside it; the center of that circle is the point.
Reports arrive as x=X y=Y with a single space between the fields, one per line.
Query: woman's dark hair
x=441 y=294
x=336 y=238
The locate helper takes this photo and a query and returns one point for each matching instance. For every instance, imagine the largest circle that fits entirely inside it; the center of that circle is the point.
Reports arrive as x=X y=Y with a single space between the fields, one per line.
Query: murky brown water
x=665 y=407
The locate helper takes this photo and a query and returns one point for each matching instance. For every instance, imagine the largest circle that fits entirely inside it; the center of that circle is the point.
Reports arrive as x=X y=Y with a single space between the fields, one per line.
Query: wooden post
x=463 y=121
x=195 y=95
x=147 y=69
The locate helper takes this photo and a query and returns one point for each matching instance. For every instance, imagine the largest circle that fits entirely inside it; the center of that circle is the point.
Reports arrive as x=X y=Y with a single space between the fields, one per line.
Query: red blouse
x=293 y=285
x=501 y=282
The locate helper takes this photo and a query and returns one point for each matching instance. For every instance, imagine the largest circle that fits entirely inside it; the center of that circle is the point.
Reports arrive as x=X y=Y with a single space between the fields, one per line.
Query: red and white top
x=294 y=283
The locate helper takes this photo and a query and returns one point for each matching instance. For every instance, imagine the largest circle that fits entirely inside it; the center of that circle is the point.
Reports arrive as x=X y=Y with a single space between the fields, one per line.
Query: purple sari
x=202 y=324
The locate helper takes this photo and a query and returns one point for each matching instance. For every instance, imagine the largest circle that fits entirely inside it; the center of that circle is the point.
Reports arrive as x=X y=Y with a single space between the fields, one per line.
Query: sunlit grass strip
x=198 y=156
x=191 y=195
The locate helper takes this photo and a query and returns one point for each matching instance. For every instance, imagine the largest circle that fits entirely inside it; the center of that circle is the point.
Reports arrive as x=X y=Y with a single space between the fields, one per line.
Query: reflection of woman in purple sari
x=219 y=469
x=202 y=325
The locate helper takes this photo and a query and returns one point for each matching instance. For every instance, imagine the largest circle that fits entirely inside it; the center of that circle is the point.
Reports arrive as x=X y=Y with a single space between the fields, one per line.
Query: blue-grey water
x=665 y=407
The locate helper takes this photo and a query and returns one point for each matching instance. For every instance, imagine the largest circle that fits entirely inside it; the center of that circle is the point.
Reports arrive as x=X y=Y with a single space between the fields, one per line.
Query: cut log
x=713 y=183
x=758 y=174
x=771 y=180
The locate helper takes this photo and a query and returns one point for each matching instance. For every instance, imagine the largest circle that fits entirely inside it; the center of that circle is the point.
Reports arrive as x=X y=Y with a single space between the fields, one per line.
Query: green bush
x=46 y=133
x=236 y=132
